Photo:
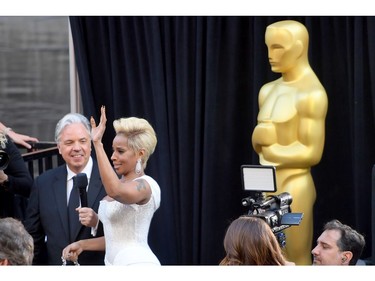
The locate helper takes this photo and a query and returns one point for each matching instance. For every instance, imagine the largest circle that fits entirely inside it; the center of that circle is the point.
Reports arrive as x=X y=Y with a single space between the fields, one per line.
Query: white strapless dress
x=126 y=229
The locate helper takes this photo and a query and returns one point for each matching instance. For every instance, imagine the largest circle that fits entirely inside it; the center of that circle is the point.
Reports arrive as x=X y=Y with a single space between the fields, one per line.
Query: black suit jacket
x=47 y=217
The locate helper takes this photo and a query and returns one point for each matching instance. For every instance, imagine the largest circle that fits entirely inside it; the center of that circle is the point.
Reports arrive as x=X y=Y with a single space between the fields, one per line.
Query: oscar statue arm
x=307 y=149
x=264 y=133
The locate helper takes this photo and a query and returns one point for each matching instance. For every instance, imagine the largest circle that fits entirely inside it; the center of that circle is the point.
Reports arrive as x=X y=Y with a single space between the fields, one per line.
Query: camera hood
x=4 y=160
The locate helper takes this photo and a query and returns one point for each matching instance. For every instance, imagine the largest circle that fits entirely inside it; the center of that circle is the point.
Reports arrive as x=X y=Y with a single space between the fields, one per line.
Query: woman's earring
x=138 y=167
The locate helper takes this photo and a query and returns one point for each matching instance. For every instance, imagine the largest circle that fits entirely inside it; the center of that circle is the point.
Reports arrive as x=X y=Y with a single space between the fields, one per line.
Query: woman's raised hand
x=97 y=132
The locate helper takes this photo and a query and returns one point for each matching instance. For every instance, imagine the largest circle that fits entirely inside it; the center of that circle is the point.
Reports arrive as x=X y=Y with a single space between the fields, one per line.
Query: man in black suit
x=47 y=218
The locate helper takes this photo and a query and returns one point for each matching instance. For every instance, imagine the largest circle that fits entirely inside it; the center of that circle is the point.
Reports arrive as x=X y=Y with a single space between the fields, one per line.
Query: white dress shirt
x=69 y=185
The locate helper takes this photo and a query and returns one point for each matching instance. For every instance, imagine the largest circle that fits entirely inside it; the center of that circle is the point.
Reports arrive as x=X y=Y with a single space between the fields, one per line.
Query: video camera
x=275 y=210
x=4 y=160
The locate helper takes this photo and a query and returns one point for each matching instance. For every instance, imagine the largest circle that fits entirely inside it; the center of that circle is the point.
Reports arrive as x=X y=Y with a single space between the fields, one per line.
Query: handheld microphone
x=80 y=181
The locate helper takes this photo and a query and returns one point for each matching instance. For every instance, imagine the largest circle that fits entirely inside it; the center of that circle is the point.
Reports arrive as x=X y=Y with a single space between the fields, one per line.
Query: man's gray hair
x=68 y=119
x=16 y=244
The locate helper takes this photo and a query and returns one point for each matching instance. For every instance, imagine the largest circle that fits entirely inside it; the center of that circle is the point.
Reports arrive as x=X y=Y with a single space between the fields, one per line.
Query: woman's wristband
x=7 y=130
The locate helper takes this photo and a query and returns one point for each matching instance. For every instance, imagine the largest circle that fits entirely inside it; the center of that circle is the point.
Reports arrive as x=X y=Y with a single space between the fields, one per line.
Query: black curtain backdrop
x=196 y=79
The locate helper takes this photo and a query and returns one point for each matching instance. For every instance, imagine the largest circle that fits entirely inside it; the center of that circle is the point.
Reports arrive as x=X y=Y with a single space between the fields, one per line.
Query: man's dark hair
x=350 y=239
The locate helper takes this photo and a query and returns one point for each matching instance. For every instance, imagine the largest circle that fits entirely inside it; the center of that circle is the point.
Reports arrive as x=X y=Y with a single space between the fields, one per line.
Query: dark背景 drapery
x=196 y=79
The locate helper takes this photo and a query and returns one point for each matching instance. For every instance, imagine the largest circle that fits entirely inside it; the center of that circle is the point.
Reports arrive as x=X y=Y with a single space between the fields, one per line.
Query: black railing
x=42 y=156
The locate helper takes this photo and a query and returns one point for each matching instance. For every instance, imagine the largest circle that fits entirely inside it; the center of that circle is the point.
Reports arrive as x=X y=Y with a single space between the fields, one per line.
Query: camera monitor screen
x=259 y=178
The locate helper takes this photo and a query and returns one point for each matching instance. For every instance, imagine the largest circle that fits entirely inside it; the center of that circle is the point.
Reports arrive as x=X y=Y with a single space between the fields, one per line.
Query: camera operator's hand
x=21 y=139
x=17 y=137
x=3 y=177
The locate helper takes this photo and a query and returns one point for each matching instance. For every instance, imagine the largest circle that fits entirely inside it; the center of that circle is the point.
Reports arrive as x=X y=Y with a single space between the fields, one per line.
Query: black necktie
x=72 y=213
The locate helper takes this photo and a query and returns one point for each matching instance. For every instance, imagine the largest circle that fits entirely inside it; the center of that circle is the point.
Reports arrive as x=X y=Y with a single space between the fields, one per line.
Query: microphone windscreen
x=80 y=181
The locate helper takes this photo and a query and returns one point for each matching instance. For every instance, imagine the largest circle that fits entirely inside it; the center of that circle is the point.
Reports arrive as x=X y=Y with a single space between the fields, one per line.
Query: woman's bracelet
x=7 y=130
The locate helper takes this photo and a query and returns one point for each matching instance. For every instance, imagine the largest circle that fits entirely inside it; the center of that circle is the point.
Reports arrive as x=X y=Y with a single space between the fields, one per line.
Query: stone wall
x=34 y=73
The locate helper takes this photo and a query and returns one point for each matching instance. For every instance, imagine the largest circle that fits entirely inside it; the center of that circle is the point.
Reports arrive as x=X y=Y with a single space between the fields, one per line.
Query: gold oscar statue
x=290 y=131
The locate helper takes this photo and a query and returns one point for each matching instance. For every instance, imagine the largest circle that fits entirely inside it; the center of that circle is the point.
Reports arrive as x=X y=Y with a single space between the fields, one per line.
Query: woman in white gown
x=127 y=210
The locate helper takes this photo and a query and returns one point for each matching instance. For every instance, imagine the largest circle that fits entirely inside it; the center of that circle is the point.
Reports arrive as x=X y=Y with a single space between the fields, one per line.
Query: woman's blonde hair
x=139 y=133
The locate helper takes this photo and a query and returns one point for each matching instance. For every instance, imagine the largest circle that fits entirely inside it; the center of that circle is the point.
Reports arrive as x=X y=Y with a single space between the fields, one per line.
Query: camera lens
x=4 y=160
